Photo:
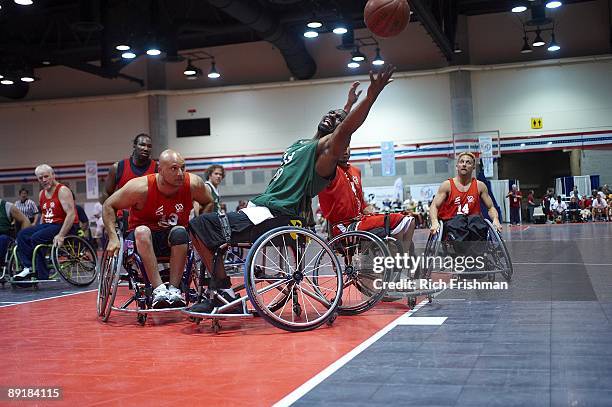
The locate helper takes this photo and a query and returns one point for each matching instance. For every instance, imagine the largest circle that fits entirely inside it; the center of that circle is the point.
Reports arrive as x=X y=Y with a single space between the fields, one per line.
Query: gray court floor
x=546 y=341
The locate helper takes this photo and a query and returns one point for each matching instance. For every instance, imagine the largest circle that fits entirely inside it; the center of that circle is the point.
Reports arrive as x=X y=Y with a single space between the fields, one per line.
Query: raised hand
x=382 y=79
x=353 y=95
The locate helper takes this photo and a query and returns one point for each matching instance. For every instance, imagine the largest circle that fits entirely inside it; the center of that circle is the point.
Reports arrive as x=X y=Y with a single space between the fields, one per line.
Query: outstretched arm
x=353 y=96
x=333 y=146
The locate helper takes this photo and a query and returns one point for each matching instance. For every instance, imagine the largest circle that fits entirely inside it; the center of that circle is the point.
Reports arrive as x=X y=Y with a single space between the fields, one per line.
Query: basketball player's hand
x=353 y=95
x=382 y=79
x=58 y=241
x=435 y=227
x=497 y=225
x=113 y=245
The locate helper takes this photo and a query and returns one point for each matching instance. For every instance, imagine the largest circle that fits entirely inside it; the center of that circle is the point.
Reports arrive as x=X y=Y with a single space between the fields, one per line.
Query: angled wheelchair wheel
x=109 y=282
x=5 y=274
x=395 y=247
x=496 y=248
x=432 y=248
x=270 y=275
x=363 y=286
x=76 y=261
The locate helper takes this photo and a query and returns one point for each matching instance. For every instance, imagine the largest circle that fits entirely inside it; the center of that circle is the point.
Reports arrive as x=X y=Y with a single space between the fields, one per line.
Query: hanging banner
x=486 y=154
x=387 y=151
x=487 y=166
x=91 y=179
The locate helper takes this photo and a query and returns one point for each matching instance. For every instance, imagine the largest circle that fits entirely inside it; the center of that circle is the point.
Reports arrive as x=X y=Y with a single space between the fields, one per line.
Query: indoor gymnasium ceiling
x=82 y=35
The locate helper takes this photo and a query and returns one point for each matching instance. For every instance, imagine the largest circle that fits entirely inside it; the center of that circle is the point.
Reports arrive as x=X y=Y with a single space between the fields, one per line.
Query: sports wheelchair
x=127 y=268
x=496 y=256
x=75 y=261
x=291 y=278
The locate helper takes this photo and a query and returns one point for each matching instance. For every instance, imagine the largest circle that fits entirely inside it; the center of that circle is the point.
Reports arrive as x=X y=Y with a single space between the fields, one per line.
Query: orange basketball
x=386 y=18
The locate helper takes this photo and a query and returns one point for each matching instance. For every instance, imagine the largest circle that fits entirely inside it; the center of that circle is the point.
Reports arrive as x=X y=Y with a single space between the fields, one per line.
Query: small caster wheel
x=142 y=319
x=429 y=299
x=216 y=326
x=491 y=277
x=297 y=310
x=412 y=302
x=332 y=318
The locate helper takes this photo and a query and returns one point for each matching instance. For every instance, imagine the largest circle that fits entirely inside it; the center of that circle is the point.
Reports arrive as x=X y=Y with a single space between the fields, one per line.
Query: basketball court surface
x=545 y=341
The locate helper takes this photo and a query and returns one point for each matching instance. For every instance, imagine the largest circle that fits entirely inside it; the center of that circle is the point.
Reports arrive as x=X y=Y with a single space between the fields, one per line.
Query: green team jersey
x=295 y=183
x=215 y=196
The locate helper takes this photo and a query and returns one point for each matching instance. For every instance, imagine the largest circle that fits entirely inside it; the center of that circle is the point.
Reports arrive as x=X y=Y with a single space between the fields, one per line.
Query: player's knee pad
x=178 y=236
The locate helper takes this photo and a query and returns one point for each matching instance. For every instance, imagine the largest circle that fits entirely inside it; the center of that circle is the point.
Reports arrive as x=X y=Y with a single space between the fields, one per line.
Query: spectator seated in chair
x=558 y=208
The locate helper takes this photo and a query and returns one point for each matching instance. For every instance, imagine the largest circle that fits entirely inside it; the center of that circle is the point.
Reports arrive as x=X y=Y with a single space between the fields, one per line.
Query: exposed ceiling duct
x=250 y=13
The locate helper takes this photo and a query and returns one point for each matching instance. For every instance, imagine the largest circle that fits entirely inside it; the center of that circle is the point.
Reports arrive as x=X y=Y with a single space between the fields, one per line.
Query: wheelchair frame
x=436 y=243
x=72 y=249
x=135 y=277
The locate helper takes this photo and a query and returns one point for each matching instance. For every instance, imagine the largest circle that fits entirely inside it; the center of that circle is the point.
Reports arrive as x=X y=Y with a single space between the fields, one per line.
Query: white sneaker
x=24 y=273
x=161 y=297
x=175 y=297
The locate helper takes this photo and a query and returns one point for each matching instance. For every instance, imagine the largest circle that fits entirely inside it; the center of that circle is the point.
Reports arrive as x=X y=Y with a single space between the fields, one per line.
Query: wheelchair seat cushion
x=463 y=229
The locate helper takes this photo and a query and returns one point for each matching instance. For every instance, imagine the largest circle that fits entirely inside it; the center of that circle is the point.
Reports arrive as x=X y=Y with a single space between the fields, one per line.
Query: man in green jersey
x=306 y=168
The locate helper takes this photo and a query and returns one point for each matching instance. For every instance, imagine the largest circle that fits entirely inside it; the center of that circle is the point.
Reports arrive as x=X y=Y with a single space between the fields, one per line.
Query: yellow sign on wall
x=537 y=123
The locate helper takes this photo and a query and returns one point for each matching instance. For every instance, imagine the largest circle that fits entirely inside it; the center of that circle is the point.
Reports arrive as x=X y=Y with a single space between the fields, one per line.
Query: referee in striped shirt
x=27 y=206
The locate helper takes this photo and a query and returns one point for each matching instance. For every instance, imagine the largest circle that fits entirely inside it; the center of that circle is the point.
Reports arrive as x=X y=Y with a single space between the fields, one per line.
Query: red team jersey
x=127 y=173
x=51 y=208
x=342 y=200
x=460 y=203
x=161 y=212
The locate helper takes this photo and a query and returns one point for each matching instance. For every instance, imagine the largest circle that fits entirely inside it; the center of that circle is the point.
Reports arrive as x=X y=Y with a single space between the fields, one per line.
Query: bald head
x=172 y=167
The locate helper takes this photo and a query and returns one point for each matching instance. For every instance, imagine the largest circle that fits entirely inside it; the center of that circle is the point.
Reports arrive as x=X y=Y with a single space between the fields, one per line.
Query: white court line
x=48 y=298
x=566 y=264
x=410 y=320
x=296 y=394
x=10 y=302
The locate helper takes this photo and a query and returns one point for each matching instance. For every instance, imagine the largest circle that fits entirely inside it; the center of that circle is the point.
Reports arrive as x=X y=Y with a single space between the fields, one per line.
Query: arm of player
x=109 y=183
x=438 y=200
x=353 y=96
x=201 y=194
x=486 y=199
x=20 y=217
x=67 y=201
x=129 y=195
x=334 y=145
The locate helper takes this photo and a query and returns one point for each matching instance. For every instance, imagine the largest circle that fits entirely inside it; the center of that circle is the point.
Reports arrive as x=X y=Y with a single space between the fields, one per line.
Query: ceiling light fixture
x=340 y=28
x=128 y=55
x=526 y=48
x=553 y=4
x=6 y=82
x=518 y=9
x=24 y=2
x=190 y=70
x=122 y=47
x=357 y=56
x=213 y=74
x=538 y=42
x=554 y=46
x=353 y=65
x=378 y=59
x=311 y=34
x=314 y=23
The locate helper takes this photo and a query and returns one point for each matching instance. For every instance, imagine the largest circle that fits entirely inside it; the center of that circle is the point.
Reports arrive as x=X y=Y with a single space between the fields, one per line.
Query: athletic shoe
x=236 y=309
x=24 y=275
x=175 y=297
x=161 y=297
x=205 y=306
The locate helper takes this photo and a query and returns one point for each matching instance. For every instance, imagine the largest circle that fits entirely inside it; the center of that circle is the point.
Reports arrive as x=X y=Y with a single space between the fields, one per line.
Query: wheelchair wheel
x=270 y=276
x=431 y=249
x=357 y=251
x=76 y=261
x=499 y=252
x=5 y=274
x=395 y=247
x=109 y=282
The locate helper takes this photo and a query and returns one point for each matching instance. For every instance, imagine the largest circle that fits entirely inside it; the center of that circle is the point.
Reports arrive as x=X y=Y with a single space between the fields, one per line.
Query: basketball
x=386 y=18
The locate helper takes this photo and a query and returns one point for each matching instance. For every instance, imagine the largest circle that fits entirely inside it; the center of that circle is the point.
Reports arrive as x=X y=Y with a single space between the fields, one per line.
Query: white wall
x=268 y=119
x=70 y=132
x=569 y=98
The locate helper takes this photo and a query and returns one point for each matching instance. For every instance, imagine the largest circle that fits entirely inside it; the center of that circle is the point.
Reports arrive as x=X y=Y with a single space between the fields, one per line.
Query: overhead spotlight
x=553 y=44
x=128 y=55
x=353 y=65
x=190 y=70
x=553 y=4
x=197 y=73
x=6 y=82
x=153 y=51
x=46 y=62
x=526 y=48
x=518 y=9
x=24 y=2
x=27 y=78
x=538 y=42
x=1 y=76
x=378 y=59
x=357 y=56
x=213 y=74
x=122 y=47
x=314 y=22
x=457 y=49
x=340 y=28
x=311 y=34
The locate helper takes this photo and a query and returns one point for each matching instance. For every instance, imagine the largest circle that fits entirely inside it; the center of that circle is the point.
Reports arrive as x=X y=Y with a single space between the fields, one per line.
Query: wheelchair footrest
x=149 y=311
x=214 y=315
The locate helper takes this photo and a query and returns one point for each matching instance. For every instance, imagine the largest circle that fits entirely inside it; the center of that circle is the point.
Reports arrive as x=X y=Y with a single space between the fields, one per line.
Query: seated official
x=344 y=207
x=57 y=220
x=8 y=214
x=573 y=210
x=457 y=203
x=600 y=208
x=558 y=208
x=159 y=206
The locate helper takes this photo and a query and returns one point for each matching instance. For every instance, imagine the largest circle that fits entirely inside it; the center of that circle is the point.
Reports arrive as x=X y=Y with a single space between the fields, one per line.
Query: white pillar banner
x=91 y=179
x=487 y=166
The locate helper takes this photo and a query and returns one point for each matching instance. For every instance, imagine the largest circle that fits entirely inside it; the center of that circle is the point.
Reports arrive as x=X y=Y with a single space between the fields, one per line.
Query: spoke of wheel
x=279 y=293
x=316 y=297
x=318 y=267
x=317 y=286
x=310 y=302
x=279 y=268
x=270 y=287
x=284 y=305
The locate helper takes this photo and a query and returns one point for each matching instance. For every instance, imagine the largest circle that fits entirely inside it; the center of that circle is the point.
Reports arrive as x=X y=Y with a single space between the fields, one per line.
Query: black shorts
x=161 y=246
x=207 y=228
